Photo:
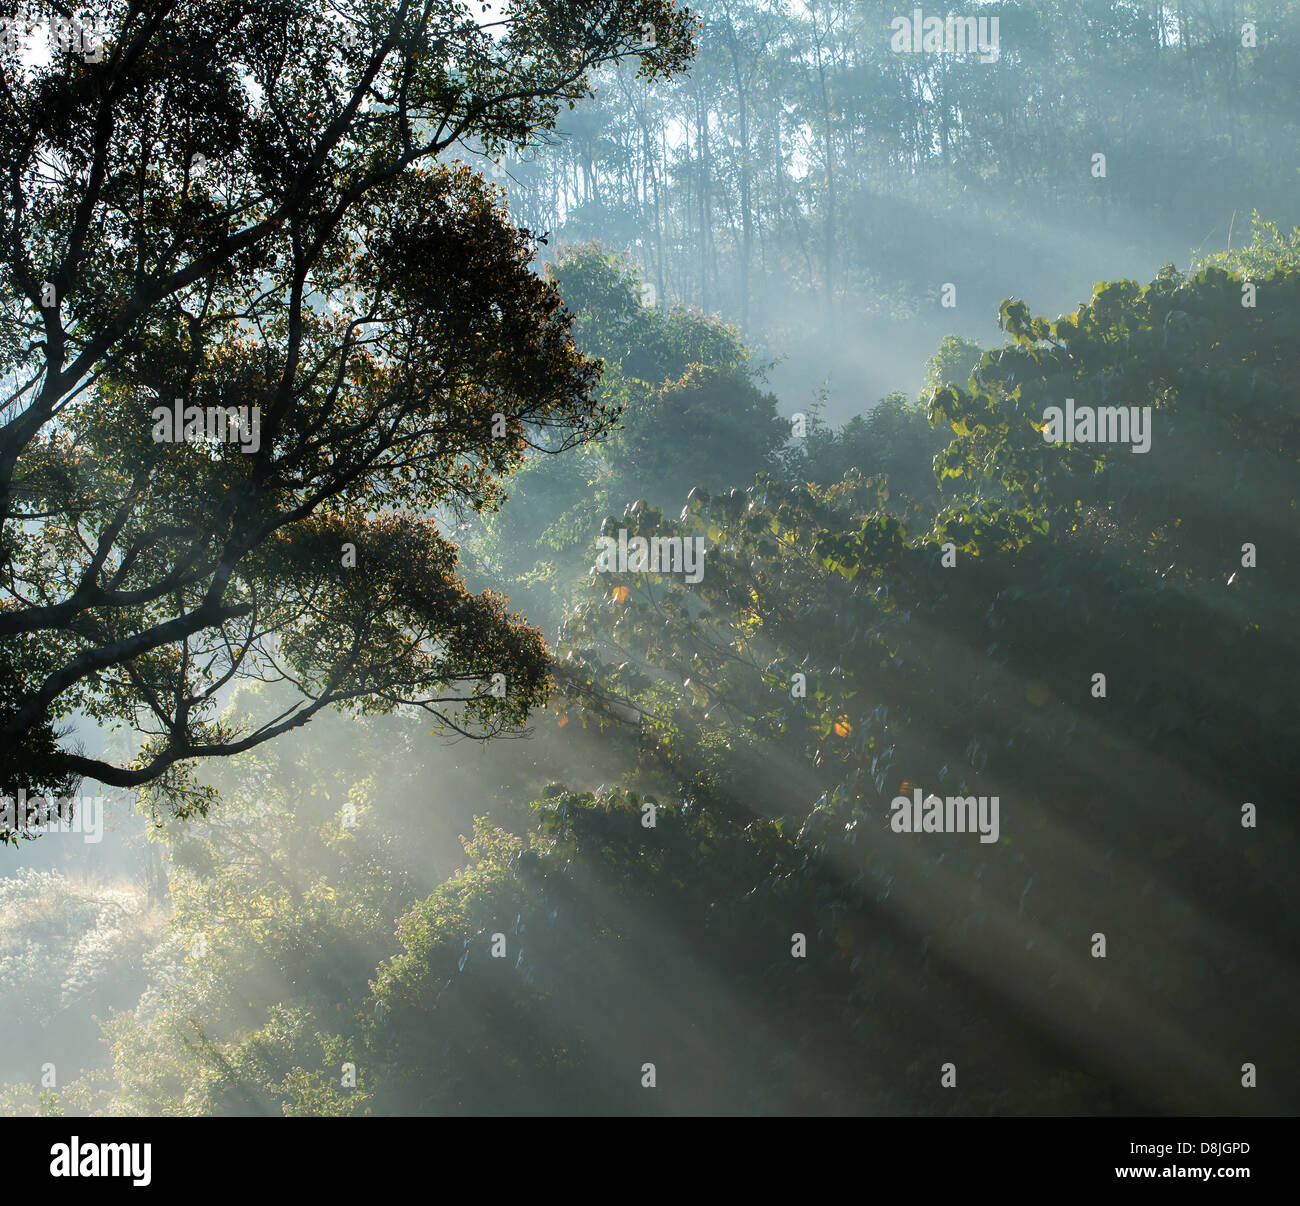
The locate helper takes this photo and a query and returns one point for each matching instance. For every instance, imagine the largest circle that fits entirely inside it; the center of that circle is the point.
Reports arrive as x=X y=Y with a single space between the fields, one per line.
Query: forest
x=602 y=557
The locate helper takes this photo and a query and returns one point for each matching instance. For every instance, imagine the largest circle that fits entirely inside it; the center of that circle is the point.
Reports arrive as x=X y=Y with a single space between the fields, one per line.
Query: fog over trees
x=590 y=557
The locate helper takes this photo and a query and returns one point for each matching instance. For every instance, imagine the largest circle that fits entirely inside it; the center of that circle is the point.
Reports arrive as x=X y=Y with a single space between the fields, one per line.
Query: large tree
x=261 y=206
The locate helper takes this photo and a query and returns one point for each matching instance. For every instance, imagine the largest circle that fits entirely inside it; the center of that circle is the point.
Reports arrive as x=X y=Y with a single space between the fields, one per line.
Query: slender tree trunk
x=746 y=220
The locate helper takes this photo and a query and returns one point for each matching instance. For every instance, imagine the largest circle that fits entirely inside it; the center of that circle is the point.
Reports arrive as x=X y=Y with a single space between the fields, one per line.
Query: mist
x=580 y=839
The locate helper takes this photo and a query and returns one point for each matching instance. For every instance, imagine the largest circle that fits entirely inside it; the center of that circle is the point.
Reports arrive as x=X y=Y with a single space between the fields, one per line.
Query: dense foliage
x=653 y=918
x=814 y=183
x=691 y=411
x=252 y=212
x=675 y=881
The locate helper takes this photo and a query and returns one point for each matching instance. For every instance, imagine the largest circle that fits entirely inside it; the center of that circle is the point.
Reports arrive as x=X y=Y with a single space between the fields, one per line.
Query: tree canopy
x=758 y=726
x=957 y=780
x=255 y=211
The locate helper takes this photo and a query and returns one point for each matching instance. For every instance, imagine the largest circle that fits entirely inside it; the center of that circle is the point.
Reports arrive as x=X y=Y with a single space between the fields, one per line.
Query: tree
x=952 y=363
x=246 y=217
x=831 y=648
x=893 y=439
x=801 y=149
x=691 y=413
x=1268 y=250
x=613 y=938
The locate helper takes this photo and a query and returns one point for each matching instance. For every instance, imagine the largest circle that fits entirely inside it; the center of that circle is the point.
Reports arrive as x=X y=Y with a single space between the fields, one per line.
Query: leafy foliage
x=847 y=644
x=691 y=411
x=324 y=262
